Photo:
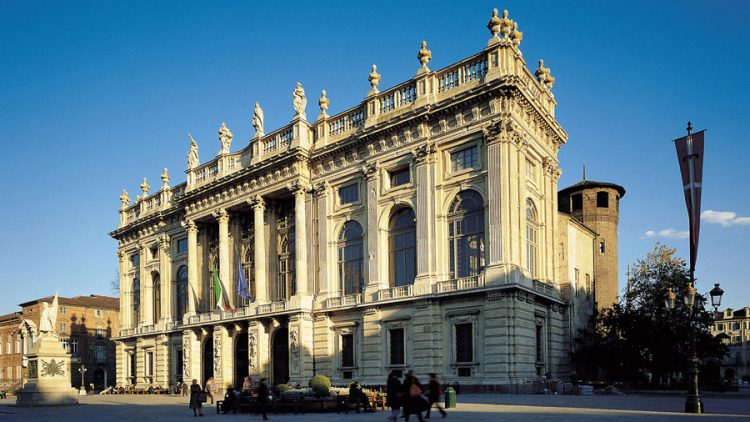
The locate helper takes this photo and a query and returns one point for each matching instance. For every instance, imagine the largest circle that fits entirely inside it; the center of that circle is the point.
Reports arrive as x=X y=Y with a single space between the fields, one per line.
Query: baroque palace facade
x=416 y=230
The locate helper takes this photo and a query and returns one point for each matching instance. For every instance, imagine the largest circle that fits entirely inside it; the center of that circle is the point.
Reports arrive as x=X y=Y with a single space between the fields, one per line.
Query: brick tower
x=597 y=205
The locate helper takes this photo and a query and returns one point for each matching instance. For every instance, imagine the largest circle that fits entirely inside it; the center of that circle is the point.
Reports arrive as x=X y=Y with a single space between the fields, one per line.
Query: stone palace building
x=420 y=229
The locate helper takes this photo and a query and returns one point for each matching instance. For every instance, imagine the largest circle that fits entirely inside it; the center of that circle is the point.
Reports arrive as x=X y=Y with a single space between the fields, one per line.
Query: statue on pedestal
x=225 y=137
x=258 y=120
x=299 y=102
x=49 y=317
x=192 y=156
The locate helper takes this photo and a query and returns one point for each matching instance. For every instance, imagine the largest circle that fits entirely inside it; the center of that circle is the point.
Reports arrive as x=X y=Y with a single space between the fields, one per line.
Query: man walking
x=433 y=395
x=263 y=397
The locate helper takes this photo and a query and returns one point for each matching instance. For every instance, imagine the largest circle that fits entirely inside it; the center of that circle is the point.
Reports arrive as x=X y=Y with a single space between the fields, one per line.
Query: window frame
x=394 y=171
x=462 y=149
x=456 y=222
x=393 y=234
x=532 y=239
x=356 y=188
x=349 y=244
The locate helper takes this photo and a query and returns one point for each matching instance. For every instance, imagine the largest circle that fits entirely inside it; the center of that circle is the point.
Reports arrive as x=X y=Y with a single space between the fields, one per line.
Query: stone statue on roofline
x=258 y=120
x=192 y=156
x=225 y=137
x=299 y=102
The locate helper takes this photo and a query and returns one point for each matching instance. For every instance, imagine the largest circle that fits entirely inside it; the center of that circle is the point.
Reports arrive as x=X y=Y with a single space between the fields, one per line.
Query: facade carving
x=423 y=218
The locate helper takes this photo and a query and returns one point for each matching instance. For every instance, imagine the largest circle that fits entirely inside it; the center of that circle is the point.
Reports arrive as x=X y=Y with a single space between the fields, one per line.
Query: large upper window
x=349 y=194
x=532 y=238
x=286 y=286
x=351 y=275
x=136 y=300
x=182 y=291
x=466 y=158
x=466 y=234
x=156 y=292
x=402 y=243
x=399 y=177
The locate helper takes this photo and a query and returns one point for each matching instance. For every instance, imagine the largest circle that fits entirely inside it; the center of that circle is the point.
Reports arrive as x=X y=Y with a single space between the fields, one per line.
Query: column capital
x=424 y=153
x=320 y=189
x=370 y=170
x=121 y=255
x=257 y=202
x=222 y=216
x=297 y=188
x=164 y=242
x=191 y=227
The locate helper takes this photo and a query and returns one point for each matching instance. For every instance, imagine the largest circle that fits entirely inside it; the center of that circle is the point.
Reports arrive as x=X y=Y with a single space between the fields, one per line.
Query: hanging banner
x=690 y=157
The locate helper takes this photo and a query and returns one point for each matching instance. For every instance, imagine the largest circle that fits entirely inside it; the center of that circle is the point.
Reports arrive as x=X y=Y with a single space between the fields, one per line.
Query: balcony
x=465 y=283
x=346 y=300
x=396 y=292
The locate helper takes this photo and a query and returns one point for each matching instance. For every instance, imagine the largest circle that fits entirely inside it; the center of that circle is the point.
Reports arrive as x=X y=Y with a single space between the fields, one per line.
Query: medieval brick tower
x=597 y=205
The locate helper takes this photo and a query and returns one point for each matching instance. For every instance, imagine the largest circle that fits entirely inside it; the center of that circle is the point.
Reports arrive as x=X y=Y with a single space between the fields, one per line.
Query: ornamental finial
x=516 y=36
x=323 y=103
x=145 y=187
x=494 y=24
x=424 y=57
x=506 y=24
x=374 y=79
x=125 y=199
x=543 y=75
x=165 y=178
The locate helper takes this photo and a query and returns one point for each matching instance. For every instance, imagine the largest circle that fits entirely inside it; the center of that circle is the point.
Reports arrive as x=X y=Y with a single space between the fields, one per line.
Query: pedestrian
x=263 y=394
x=210 y=386
x=184 y=387
x=433 y=396
x=413 y=401
x=195 y=399
x=229 y=401
x=394 y=395
x=357 y=396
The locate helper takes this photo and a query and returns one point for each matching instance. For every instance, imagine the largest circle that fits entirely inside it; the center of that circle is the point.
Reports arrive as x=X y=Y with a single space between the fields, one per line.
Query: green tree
x=640 y=338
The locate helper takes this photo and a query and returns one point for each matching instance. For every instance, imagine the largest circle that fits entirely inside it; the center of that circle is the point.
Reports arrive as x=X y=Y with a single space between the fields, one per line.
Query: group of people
x=411 y=398
x=199 y=395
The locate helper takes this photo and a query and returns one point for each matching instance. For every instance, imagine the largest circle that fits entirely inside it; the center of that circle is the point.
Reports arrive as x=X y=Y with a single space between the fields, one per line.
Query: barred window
x=397 y=346
x=347 y=351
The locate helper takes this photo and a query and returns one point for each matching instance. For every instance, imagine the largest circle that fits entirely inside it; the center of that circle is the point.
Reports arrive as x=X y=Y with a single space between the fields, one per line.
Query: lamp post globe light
x=82 y=370
x=693 y=402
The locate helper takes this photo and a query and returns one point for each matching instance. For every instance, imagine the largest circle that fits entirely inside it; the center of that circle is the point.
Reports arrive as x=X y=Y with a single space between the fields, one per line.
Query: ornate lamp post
x=82 y=370
x=693 y=402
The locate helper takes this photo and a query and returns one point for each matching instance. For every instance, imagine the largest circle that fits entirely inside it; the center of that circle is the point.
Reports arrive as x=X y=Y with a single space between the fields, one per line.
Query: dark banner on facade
x=690 y=156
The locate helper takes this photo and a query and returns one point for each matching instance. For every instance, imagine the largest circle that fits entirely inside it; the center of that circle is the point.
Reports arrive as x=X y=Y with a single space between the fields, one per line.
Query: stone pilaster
x=161 y=361
x=165 y=271
x=121 y=364
x=300 y=348
x=147 y=310
x=125 y=292
x=425 y=211
x=255 y=333
x=261 y=284
x=223 y=359
x=192 y=240
x=224 y=267
x=324 y=276
x=372 y=282
x=300 y=241
x=372 y=346
x=495 y=195
x=191 y=357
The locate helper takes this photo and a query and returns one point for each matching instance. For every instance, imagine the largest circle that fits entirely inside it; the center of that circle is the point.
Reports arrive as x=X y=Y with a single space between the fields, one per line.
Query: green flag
x=217 y=288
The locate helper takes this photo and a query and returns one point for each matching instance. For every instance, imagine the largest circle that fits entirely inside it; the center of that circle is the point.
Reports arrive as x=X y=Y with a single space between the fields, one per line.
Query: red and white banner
x=690 y=156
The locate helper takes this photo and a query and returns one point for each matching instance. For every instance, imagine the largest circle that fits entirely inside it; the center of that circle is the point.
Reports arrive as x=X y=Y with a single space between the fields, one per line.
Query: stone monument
x=49 y=367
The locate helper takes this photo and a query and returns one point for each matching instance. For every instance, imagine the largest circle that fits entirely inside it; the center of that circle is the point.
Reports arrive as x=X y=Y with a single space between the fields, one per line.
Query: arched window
x=136 y=301
x=466 y=234
x=351 y=275
x=532 y=238
x=156 y=294
x=248 y=267
x=182 y=292
x=402 y=242
x=286 y=286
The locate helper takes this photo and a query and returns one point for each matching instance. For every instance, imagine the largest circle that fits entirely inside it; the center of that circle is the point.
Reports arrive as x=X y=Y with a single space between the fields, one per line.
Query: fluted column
x=495 y=195
x=224 y=272
x=147 y=310
x=371 y=174
x=192 y=240
x=125 y=294
x=424 y=157
x=300 y=240
x=165 y=272
x=261 y=286
x=321 y=192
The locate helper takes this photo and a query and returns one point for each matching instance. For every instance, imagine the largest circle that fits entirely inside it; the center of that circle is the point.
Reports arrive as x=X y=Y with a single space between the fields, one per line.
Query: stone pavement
x=471 y=407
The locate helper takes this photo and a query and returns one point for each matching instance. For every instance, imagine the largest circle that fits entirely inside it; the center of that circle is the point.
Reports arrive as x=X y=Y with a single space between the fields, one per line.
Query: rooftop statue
x=374 y=79
x=299 y=102
x=258 y=120
x=424 y=55
x=323 y=102
x=225 y=137
x=192 y=156
x=48 y=320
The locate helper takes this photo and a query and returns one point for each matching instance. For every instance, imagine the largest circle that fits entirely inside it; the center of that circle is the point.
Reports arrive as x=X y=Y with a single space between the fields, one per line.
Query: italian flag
x=218 y=292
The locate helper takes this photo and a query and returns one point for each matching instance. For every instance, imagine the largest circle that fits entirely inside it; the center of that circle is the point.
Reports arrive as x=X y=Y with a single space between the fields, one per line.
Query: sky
x=96 y=95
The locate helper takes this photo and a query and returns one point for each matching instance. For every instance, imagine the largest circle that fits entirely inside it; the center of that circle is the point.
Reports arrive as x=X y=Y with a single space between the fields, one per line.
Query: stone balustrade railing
x=459 y=284
x=396 y=292
x=346 y=300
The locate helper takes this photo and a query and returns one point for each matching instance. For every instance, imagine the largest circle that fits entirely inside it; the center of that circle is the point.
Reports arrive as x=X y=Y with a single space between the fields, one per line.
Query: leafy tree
x=640 y=338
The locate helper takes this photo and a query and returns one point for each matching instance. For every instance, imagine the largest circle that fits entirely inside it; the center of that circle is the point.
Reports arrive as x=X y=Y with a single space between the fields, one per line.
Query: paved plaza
x=471 y=407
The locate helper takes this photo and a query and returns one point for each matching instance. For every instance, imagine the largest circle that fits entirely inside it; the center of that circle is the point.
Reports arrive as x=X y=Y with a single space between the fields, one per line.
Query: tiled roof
x=10 y=316
x=91 y=301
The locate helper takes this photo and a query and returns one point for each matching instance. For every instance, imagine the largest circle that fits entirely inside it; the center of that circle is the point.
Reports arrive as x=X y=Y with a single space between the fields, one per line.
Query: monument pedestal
x=49 y=375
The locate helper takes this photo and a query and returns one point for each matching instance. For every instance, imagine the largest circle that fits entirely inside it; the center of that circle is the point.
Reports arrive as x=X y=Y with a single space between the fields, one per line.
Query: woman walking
x=394 y=395
x=195 y=402
x=413 y=401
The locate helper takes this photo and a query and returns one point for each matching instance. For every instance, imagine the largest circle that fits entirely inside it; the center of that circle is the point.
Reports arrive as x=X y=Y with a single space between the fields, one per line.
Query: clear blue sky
x=95 y=95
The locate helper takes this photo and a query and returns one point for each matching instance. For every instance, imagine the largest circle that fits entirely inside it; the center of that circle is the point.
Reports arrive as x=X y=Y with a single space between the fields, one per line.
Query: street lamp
x=693 y=402
x=82 y=370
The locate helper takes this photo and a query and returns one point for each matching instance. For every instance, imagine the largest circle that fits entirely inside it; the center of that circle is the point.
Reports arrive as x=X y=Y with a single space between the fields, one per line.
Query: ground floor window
x=397 y=346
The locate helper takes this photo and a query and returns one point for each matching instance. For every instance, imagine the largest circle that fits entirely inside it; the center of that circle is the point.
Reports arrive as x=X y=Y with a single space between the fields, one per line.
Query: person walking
x=210 y=388
x=195 y=399
x=184 y=387
x=263 y=394
x=433 y=396
x=413 y=401
x=394 y=395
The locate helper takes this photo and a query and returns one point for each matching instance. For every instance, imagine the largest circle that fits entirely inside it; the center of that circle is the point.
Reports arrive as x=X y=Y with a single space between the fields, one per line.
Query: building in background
x=85 y=325
x=734 y=328
x=420 y=229
x=11 y=352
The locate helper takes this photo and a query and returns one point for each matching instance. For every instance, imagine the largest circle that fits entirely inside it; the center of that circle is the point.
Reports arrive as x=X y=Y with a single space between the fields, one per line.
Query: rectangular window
x=576 y=202
x=530 y=172
x=397 y=346
x=539 y=343
x=149 y=364
x=399 y=177
x=18 y=372
x=349 y=194
x=347 y=351
x=181 y=246
x=18 y=343
x=98 y=313
x=63 y=310
x=466 y=158
x=589 y=287
x=178 y=364
x=135 y=260
x=63 y=327
x=464 y=343
x=74 y=346
x=66 y=344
